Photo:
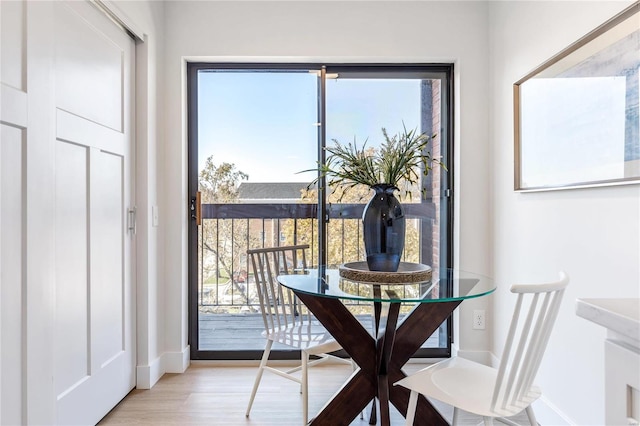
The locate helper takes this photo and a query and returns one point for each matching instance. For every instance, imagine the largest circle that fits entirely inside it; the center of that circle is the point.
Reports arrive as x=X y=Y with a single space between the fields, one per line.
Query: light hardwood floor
x=217 y=394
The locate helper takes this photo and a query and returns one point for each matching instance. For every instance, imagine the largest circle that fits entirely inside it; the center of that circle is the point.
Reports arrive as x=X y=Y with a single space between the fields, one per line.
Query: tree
x=220 y=256
x=219 y=184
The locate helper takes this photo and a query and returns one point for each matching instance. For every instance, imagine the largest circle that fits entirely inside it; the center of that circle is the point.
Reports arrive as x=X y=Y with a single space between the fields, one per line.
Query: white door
x=13 y=133
x=94 y=326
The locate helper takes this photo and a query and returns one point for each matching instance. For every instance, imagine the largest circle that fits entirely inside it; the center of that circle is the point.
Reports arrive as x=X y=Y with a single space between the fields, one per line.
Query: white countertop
x=621 y=316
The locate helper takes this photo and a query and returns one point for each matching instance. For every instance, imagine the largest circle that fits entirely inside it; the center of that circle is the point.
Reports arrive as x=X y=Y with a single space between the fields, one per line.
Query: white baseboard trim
x=169 y=362
x=177 y=362
x=148 y=375
x=482 y=357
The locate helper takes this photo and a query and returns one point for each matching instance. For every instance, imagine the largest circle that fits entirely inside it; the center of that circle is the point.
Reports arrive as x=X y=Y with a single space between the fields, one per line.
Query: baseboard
x=177 y=362
x=482 y=357
x=148 y=375
x=169 y=362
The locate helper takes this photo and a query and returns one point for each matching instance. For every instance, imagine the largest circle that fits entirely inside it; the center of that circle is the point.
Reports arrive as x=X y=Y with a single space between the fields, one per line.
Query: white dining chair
x=508 y=390
x=286 y=320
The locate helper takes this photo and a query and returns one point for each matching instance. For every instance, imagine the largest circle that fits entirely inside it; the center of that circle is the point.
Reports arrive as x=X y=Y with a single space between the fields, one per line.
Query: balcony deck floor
x=236 y=332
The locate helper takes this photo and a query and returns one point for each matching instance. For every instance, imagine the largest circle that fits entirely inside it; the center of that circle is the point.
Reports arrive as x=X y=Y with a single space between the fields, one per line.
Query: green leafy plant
x=399 y=162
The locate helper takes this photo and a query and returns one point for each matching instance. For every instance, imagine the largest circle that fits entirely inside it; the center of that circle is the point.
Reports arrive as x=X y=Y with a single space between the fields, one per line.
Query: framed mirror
x=576 y=116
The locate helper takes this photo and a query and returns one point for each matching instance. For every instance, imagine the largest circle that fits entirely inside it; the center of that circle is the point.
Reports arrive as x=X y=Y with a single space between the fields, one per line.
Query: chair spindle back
x=279 y=306
x=534 y=315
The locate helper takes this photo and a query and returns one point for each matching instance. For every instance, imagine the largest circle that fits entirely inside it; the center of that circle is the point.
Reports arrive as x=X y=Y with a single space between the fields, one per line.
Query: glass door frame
x=443 y=72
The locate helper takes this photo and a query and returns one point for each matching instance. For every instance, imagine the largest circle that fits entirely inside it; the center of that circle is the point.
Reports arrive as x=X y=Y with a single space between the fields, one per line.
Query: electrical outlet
x=478 y=319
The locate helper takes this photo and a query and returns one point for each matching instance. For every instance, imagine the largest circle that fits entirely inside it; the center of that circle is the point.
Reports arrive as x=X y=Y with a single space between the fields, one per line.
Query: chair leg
x=531 y=416
x=256 y=383
x=411 y=408
x=454 y=421
x=488 y=421
x=304 y=384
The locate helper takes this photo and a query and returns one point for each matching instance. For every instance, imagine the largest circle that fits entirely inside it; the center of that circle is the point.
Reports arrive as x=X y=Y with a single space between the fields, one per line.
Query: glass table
x=380 y=354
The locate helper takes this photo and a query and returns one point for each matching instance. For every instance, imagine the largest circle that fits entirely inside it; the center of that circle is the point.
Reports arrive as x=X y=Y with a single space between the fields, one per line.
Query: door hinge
x=131 y=220
x=447 y=193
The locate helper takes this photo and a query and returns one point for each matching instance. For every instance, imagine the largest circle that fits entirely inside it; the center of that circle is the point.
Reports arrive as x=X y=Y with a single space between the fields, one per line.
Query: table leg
x=384 y=351
x=372 y=354
x=412 y=332
x=377 y=312
x=361 y=387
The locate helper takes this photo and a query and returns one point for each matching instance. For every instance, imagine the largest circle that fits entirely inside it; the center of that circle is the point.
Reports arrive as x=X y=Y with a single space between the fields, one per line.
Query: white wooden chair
x=509 y=389
x=286 y=320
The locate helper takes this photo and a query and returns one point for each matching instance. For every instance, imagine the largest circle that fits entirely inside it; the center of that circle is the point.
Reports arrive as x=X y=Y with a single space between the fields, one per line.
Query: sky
x=266 y=122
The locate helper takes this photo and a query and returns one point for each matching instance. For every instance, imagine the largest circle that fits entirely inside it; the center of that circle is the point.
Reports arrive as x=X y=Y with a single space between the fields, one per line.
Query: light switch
x=154 y=215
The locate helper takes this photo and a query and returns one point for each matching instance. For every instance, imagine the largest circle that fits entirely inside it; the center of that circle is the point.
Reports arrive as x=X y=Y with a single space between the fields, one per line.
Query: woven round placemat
x=407 y=273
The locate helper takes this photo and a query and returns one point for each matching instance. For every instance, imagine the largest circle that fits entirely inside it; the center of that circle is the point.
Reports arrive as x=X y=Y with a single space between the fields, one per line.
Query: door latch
x=196 y=208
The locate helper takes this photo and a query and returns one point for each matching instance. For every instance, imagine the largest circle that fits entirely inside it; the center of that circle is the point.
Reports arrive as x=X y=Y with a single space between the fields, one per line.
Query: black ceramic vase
x=383 y=226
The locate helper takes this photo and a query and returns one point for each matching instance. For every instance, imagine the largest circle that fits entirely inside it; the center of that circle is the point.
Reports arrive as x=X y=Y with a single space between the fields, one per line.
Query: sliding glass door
x=254 y=130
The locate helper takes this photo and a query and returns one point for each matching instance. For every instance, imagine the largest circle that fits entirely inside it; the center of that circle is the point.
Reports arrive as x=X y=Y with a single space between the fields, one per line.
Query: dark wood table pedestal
x=380 y=358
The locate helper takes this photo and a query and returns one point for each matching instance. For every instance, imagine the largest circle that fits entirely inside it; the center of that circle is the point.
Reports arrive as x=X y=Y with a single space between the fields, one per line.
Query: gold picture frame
x=576 y=116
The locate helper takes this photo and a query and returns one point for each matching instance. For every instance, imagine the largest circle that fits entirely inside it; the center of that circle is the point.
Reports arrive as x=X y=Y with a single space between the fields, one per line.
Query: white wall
x=333 y=32
x=593 y=234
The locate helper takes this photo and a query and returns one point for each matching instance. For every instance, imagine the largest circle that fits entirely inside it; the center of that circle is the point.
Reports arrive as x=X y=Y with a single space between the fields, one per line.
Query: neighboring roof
x=271 y=190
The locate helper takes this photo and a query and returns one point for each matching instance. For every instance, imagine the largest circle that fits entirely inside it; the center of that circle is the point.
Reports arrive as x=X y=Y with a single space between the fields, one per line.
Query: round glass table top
x=443 y=285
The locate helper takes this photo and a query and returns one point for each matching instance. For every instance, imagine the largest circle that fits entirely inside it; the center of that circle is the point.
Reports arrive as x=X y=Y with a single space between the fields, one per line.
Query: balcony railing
x=225 y=282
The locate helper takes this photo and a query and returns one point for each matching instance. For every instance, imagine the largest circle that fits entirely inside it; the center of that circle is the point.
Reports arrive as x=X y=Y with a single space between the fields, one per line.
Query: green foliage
x=219 y=184
x=345 y=238
x=399 y=162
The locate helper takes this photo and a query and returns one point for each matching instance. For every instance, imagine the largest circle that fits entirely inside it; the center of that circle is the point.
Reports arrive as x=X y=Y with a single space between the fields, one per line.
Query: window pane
x=256 y=131
x=357 y=110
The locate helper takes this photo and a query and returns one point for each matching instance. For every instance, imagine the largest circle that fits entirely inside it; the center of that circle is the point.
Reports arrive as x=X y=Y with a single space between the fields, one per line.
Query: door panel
x=11 y=274
x=89 y=68
x=107 y=229
x=72 y=250
x=94 y=345
x=12 y=43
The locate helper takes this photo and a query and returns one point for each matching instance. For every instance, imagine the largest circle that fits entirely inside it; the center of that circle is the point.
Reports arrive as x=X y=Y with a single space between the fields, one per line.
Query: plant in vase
x=396 y=165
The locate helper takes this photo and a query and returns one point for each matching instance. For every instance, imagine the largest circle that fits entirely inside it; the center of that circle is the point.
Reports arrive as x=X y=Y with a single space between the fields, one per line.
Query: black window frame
x=443 y=71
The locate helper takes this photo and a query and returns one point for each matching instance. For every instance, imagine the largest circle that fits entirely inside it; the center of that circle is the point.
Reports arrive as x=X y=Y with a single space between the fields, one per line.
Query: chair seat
x=307 y=336
x=465 y=384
